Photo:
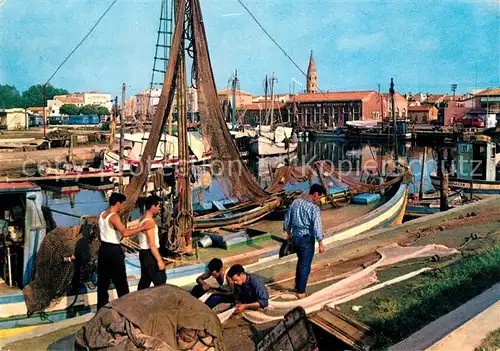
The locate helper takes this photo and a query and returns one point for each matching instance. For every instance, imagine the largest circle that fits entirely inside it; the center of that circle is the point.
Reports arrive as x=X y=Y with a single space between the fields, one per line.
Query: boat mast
x=265 y=101
x=394 y=130
x=272 y=100
x=185 y=216
x=122 y=136
x=234 y=85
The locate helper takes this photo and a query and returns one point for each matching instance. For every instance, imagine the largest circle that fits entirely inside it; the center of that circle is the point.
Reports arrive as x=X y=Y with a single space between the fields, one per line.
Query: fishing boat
x=13 y=312
x=431 y=203
x=272 y=139
x=475 y=169
x=167 y=153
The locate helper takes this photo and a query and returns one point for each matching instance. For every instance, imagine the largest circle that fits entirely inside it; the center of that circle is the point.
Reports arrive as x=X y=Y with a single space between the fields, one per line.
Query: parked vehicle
x=471 y=121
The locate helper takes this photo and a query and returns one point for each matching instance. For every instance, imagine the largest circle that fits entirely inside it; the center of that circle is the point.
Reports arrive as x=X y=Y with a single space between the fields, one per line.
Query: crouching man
x=250 y=293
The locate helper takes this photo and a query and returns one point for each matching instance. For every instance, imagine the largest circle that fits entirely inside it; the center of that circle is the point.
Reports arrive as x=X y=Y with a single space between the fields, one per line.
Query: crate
x=365 y=199
x=293 y=333
x=340 y=332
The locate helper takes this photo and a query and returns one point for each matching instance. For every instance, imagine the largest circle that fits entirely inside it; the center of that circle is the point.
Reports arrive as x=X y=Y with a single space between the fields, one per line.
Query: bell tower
x=312 y=76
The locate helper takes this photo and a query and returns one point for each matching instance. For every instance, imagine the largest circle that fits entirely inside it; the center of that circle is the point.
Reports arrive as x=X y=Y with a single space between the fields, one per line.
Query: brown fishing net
x=161 y=318
x=65 y=259
x=226 y=158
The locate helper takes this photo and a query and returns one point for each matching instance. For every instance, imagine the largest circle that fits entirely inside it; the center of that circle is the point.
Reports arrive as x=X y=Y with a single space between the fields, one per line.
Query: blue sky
x=425 y=45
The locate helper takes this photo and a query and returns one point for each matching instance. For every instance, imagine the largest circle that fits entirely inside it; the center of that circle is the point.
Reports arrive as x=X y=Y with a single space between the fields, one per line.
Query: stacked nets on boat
x=161 y=318
x=62 y=261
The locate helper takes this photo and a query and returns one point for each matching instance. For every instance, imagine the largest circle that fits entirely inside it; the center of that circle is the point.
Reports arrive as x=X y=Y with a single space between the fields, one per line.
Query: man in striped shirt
x=303 y=226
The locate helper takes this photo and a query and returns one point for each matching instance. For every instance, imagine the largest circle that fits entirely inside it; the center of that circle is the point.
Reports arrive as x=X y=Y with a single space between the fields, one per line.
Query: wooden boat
x=431 y=204
x=475 y=168
x=263 y=146
x=167 y=154
x=13 y=309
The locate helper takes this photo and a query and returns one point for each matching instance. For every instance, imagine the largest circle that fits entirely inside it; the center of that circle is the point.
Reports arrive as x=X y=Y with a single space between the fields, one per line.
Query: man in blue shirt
x=250 y=293
x=303 y=226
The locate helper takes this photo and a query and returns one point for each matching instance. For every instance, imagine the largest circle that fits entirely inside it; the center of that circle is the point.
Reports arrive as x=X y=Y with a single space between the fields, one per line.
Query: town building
x=146 y=102
x=422 y=114
x=241 y=97
x=455 y=111
x=332 y=109
x=400 y=104
x=14 y=119
x=79 y=100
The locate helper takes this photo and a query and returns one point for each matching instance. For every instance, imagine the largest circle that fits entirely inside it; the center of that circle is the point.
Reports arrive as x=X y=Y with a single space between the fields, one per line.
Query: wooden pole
x=122 y=137
x=422 y=174
x=443 y=178
x=44 y=113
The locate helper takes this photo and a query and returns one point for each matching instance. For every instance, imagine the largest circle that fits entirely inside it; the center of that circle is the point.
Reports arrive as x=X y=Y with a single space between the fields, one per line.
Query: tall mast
x=272 y=100
x=233 y=103
x=394 y=130
x=185 y=216
x=122 y=136
x=265 y=100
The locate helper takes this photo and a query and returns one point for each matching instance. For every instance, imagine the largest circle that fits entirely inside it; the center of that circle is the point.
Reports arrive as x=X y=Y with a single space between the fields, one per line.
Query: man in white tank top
x=152 y=265
x=111 y=259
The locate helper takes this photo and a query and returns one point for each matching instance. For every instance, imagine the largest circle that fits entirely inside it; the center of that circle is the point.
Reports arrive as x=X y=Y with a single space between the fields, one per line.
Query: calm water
x=353 y=158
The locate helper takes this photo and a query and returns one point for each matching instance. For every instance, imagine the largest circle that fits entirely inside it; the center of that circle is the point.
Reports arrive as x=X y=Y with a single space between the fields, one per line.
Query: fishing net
x=66 y=257
x=226 y=159
x=161 y=318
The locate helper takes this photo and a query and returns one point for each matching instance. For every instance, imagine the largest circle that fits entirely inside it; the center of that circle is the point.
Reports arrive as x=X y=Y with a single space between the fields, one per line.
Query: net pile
x=161 y=318
x=64 y=259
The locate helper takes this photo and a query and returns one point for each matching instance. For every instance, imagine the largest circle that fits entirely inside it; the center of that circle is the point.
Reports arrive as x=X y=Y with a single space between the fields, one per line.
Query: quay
x=449 y=228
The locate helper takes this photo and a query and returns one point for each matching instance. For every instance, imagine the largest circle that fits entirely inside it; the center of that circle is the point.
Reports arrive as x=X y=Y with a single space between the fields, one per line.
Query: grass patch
x=491 y=342
x=399 y=310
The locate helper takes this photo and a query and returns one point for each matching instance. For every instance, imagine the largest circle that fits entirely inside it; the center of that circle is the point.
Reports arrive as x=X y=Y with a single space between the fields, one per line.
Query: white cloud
x=360 y=42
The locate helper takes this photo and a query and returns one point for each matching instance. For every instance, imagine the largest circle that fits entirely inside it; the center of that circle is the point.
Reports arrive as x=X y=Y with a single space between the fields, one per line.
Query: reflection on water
x=352 y=157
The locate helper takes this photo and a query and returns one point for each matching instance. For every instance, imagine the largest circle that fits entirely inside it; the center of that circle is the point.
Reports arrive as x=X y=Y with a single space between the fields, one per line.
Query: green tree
x=88 y=110
x=103 y=111
x=69 y=109
x=33 y=96
x=10 y=97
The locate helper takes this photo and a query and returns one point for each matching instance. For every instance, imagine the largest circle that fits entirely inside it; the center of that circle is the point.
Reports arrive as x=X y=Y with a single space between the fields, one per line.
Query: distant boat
x=475 y=168
x=166 y=154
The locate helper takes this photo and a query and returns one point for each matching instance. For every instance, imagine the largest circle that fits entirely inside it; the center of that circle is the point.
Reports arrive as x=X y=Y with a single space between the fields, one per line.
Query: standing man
x=152 y=265
x=250 y=293
x=111 y=260
x=303 y=226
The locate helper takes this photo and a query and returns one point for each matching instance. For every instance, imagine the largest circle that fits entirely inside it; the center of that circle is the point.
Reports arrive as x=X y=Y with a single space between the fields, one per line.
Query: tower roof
x=312 y=65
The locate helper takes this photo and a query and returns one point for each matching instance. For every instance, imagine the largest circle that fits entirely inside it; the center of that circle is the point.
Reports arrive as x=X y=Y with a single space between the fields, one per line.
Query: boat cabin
x=22 y=229
x=477 y=160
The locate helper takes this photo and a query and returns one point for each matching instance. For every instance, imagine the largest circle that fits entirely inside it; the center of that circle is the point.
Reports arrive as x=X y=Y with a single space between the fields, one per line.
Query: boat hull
x=13 y=308
x=262 y=146
x=469 y=186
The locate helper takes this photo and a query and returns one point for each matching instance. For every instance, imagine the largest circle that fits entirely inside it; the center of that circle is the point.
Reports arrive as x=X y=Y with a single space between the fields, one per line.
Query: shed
x=13 y=119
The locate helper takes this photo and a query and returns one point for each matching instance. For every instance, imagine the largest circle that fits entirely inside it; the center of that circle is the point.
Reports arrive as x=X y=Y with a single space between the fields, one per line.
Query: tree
x=103 y=111
x=88 y=110
x=69 y=109
x=33 y=96
x=10 y=97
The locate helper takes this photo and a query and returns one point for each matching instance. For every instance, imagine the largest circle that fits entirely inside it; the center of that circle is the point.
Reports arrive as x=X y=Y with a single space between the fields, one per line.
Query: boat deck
x=331 y=217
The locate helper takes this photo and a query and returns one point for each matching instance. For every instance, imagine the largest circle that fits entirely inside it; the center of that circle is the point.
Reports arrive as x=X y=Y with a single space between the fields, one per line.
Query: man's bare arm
x=117 y=224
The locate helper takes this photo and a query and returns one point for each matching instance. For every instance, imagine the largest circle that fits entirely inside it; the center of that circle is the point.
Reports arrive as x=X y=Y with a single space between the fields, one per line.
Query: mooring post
x=443 y=179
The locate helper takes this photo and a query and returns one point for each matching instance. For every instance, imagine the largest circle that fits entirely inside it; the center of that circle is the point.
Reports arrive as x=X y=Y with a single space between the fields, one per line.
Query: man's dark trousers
x=110 y=267
x=304 y=247
x=150 y=273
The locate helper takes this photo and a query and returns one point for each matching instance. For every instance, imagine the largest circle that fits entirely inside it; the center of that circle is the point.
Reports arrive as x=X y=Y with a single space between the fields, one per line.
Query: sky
x=424 y=45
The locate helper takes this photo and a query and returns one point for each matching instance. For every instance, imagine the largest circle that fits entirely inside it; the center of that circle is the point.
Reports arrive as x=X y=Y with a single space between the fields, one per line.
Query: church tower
x=312 y=76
